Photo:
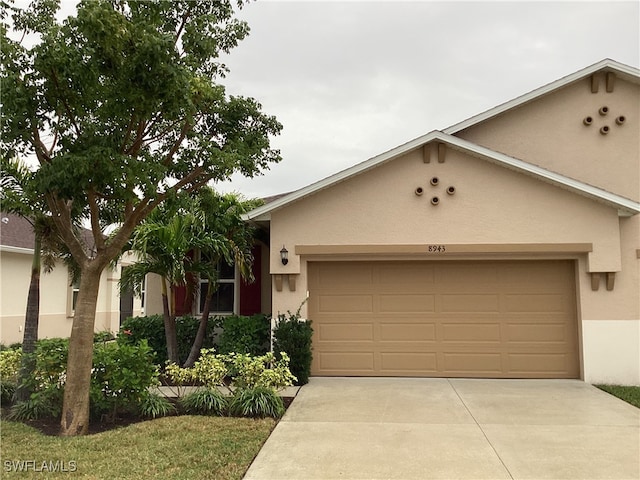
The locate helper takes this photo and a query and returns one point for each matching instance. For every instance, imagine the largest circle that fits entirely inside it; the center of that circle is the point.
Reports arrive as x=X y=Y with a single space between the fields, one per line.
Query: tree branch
x=95 y=220
x=176 y=145
x=65 y=103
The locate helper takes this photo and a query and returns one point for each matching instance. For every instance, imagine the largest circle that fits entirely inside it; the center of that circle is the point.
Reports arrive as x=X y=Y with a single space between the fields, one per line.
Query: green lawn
x=183 y=447
x=628 y=394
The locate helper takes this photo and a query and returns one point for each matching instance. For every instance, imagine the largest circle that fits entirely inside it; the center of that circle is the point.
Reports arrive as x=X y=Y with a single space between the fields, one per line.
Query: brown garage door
x=444 y=319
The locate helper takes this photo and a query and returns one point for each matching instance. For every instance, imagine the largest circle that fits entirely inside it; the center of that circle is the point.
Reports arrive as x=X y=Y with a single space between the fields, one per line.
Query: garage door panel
x=345 y=303
x=403 y=362
x=337 y=332
x=529 y=333
x=409 y=332
x=467 y=276
x=471 y=332
x=538 y=364
x=476 y=319
x=537 y=303
x=346 y=362
x=405 y=274
x=402 y=303
x=472 y=303
x=486 y=364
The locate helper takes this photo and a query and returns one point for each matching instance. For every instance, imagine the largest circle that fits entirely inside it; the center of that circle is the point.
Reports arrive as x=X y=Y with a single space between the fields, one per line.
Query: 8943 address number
x=436 y=249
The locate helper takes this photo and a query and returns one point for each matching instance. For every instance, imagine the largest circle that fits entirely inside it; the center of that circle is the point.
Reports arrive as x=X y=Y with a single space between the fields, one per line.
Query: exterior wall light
x=284 y=255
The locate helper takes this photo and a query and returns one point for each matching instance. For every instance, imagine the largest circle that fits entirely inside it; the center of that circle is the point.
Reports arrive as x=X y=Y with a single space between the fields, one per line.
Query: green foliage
x=209 y=370
x=151 y=329
x=257 y=402
x=9 y=368
x=260 y=372
x=293 y=336
x=205 y=401
x=154 y=405
x=102 y=337
x=242 y=334
x=121 y=377
x=10 y=365
x=43 y=404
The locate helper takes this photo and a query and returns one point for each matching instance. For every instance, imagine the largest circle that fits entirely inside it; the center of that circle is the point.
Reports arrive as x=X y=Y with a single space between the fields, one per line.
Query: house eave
x=625 y=71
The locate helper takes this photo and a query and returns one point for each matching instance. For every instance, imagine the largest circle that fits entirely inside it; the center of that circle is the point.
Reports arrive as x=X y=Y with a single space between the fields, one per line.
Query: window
x=143 y=292
x=223 y=300
x=74 y=288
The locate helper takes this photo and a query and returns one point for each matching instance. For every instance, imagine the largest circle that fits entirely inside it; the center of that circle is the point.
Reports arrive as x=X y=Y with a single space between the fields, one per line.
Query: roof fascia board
x=11 y=249
x=263 y=212
x=607 y=64
x=625 y=205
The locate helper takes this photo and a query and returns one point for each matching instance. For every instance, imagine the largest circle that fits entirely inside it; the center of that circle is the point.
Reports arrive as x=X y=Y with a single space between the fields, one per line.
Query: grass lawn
x=628 y=394
x=182 y=447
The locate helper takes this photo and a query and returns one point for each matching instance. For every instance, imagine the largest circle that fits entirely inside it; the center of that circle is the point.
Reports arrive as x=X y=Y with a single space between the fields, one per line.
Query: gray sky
x=352 y=79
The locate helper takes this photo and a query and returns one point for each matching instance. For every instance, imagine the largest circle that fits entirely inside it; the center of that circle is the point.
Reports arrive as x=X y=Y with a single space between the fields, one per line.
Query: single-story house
x=57 y=292
x=504 y=246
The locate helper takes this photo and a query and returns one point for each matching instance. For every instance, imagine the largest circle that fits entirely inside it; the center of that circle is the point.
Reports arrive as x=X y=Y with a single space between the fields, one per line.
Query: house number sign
x=436 y=249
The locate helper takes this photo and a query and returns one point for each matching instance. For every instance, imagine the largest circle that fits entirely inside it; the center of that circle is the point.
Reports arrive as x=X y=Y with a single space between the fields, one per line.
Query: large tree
x=121 y=108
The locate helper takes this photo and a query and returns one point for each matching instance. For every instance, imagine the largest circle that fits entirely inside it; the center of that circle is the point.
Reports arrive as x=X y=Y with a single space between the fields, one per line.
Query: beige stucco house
x=56 y=291
x=505 y=246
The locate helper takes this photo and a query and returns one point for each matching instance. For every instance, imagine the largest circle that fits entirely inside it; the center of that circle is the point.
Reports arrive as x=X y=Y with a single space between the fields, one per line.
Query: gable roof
x=626 y=72
x=625 y=206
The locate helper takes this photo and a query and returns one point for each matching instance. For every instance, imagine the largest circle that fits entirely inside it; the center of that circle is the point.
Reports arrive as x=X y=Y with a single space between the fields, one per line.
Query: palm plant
x=19 y=197
x=188 y=237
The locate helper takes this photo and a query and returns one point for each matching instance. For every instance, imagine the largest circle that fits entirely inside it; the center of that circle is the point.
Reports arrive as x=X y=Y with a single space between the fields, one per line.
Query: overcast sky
x=350 y=80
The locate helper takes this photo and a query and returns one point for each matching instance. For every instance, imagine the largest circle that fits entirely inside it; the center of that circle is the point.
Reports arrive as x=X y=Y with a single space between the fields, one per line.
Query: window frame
x=227 y=281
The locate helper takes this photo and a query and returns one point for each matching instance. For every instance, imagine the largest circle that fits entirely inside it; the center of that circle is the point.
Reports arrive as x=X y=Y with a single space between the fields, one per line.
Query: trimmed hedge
x=151 y=329
x=241 y=334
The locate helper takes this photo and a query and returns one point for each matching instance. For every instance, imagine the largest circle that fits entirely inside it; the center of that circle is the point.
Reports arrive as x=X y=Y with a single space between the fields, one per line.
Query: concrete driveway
x=381 y=428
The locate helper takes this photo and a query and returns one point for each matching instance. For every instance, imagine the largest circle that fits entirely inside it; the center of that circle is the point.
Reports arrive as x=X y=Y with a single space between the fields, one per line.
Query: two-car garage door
x=495 y=319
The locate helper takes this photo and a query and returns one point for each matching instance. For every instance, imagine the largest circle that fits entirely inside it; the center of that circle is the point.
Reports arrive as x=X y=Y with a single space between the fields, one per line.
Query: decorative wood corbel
x=611 y=280
x=442 y=151
x=595 y=281
x=278 y=281
x=292 y=283
x=426 y=153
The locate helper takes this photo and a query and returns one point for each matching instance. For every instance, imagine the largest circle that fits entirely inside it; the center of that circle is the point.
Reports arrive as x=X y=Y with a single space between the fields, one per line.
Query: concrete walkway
x=379 y=428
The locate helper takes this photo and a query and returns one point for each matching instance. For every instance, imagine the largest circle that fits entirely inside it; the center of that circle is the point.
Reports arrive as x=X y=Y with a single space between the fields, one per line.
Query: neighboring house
x=57 y=293
x=505 y=246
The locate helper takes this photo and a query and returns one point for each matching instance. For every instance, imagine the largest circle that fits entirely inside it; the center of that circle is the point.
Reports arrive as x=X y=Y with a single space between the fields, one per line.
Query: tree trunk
x=75 y=408
x=30 y=337
x=202 y=331
x=170 y=324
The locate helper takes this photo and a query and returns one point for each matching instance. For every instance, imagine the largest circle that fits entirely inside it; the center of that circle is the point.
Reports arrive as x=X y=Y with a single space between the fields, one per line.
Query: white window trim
x=236 y=294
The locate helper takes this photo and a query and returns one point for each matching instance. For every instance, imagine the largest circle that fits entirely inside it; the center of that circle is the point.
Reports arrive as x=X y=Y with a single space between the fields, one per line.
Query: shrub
x=154 y=405
x=259 y=372
x=9 y=368
x=242 y=334
x=257 y=402
x=205 y=401
x=43 y=404
x=293 y=336
x=121 y=377
x=151 y=329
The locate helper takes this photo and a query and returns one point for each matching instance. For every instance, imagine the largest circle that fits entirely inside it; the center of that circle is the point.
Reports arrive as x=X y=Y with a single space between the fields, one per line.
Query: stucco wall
x=491 y=205
x=550 y=132
x=55 y=297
